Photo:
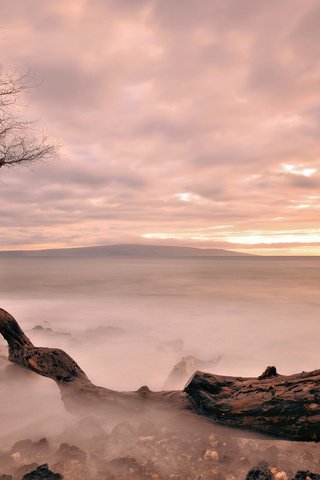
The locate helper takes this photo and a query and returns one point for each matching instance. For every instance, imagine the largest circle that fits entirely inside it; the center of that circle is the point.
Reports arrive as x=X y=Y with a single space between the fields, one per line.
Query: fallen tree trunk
x=284 y=406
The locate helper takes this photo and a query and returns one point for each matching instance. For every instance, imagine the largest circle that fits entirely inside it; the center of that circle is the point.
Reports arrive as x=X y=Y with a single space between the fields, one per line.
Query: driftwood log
x=278 y=405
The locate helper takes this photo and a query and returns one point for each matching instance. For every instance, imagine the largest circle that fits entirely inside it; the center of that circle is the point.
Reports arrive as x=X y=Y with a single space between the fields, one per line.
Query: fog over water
x=252 y=311
x=128 y=321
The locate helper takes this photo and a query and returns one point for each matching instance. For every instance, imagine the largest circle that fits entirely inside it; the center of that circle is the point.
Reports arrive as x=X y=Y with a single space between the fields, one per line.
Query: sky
x=179 y=122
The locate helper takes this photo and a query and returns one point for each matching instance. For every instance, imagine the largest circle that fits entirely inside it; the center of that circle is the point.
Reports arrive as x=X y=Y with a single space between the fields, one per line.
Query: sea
x=129 y=321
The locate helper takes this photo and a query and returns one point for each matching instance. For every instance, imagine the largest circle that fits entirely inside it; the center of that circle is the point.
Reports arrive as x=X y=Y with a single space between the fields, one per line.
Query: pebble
x=211 y=455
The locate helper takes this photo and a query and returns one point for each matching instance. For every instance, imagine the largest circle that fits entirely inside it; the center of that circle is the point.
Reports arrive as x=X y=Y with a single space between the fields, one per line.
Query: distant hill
x=132 y=250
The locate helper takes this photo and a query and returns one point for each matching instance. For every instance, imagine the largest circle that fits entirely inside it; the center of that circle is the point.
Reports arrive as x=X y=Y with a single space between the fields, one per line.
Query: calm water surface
x=252 y=311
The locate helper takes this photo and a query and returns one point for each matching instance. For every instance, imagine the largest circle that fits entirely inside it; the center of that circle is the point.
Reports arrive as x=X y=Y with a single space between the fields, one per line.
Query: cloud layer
x=190 y=122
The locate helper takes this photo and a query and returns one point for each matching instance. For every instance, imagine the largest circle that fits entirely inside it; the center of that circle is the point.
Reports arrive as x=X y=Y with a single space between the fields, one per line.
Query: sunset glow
x=159 y=239
x=170 y=125
x=306 y=172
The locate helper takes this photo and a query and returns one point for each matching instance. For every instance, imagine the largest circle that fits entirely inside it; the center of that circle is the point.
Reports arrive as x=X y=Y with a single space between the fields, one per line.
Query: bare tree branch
x=18 y=144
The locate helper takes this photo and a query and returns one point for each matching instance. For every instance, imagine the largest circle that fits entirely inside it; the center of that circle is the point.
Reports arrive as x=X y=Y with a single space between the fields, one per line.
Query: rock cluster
x=157 y=451
x=42 y=473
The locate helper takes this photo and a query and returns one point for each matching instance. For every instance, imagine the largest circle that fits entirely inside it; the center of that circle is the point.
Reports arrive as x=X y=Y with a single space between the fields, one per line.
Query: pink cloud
x=153 y=99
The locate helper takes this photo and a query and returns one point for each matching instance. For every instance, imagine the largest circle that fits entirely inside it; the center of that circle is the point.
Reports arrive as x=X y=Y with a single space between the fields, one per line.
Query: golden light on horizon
x=258 y=239
x=159 y=146
x=294 y=170
x=271 y=239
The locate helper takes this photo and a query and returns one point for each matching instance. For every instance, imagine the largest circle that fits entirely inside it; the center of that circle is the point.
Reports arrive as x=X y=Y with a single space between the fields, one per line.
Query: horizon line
x=236 y=251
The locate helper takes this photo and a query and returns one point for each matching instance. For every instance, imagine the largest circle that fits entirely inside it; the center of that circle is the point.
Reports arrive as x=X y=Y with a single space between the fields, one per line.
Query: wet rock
x=260 y=472
x=269 y=373
x=74 y=470
x=67 y=453
x=42 y=445
x=50 y=331
x=163 y=450
x=42 y=473
x=24 y=447
x=185 y=368
x=305 y=474
x=24 y=469
x=40 y=328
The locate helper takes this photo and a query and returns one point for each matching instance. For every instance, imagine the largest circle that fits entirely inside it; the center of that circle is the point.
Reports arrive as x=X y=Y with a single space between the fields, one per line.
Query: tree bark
x=283 y=406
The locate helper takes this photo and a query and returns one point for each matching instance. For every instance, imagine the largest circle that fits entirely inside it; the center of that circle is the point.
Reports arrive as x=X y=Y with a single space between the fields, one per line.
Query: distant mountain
x=132 y=250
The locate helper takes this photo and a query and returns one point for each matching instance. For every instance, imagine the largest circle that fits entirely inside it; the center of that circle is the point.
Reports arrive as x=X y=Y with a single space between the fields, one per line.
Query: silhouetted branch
x=18 y=144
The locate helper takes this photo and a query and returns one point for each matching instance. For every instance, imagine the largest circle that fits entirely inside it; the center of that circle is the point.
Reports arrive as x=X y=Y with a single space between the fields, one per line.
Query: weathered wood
x=284 y=406
x=77 y=391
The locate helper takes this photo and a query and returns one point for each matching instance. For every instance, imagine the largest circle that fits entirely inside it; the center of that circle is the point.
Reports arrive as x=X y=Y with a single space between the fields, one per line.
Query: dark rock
x=57 y=466
x=28 y=448
x=67 y=453
x=185 y=368
x=42 y=473
x=21 y=471
x=6 y=477
x=50 y=331
x=260 y=472
x=303 y=474
x=40 y=328
x=269 y=373
x=41 y=447
x=24 y=447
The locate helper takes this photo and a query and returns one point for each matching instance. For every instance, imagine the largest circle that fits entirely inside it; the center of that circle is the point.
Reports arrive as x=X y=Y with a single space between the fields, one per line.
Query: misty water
x=128 y=321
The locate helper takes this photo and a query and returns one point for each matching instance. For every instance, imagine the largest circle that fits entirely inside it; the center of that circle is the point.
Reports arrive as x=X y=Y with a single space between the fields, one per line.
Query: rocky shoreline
x=144 y=435
x=158 y=451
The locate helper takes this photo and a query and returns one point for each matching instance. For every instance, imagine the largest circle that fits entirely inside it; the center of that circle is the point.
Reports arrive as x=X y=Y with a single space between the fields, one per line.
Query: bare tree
x=18 y=144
